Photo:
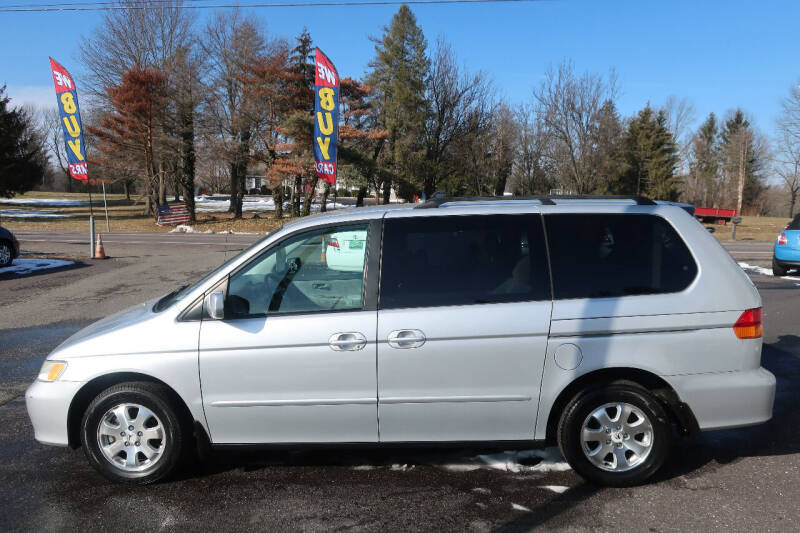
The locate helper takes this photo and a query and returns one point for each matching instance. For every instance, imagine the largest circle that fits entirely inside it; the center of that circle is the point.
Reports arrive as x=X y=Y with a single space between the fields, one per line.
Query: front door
x=463 y=319
x=294 y=358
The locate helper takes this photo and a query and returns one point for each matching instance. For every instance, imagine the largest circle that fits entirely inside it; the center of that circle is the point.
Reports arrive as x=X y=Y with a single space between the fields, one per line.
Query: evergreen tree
x=609 y=147
x=301 y=73
x=704 y=171
x=22 y=156
x=397 y=78
x=652 y=157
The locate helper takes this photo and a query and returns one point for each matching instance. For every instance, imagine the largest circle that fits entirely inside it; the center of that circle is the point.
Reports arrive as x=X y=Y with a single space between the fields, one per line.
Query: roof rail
x=544 y=199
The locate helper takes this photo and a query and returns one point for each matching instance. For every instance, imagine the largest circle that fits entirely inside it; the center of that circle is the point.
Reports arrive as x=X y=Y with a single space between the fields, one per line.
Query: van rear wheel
x=617 y=435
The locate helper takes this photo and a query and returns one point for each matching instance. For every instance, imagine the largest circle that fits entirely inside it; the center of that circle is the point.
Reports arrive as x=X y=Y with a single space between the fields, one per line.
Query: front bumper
x=48 y=406
x=728 y=399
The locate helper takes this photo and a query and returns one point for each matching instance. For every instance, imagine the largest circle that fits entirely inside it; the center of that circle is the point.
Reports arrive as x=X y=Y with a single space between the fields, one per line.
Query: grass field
x=126 y=216
x=123 y=215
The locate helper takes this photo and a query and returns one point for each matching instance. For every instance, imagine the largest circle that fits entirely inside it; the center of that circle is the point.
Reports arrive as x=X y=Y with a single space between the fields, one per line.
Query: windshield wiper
x=165 y=300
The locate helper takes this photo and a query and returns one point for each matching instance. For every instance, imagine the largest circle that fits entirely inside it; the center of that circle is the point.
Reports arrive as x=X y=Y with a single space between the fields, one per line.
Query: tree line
x=174 y=102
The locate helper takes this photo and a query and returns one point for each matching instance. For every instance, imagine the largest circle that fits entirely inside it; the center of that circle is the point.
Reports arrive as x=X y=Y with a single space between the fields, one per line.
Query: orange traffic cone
x=99 y=252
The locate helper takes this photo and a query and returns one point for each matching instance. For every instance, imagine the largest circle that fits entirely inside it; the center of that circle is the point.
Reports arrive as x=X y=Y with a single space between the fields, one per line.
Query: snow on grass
x=763 y=271
x=220 y=204
x=26 y=266
x=44 y=202
x=181 y=228
x=518 y=507
x=31 y=213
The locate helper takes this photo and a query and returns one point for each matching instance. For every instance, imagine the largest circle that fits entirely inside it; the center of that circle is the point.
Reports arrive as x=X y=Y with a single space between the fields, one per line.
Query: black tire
x=158 y=400
x=577 y=412
x=778 y=270
x=5 y=245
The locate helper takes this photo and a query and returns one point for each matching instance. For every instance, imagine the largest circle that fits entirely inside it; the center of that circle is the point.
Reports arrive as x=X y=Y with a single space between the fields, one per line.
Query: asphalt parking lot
x=735 y=480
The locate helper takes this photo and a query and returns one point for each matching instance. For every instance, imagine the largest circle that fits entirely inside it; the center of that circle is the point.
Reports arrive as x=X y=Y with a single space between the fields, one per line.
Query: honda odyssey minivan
x=604 y=325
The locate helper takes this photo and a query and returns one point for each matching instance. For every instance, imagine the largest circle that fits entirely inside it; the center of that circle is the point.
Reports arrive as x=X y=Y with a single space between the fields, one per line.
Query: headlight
x=51 y=370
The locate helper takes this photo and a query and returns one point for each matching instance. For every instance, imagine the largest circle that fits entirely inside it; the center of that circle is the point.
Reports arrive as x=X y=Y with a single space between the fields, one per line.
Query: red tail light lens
x=782 y=239
x=333 y=242
x=749 y=325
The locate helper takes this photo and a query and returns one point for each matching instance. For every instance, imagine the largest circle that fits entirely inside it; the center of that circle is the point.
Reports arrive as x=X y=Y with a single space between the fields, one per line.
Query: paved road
x=734 y=480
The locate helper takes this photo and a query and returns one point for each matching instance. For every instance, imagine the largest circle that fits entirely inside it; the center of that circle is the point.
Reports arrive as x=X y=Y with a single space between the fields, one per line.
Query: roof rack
x=544 y=199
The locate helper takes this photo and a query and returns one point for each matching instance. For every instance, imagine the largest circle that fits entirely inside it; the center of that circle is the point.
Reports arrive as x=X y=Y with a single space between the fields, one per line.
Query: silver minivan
x=604 y=325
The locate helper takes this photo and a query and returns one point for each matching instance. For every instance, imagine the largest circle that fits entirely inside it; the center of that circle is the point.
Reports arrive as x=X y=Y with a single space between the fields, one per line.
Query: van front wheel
x=131 y=433
x=616 y=435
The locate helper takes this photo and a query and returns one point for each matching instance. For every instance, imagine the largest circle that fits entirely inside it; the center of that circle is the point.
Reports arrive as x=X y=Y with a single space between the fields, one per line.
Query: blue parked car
x=787 y=249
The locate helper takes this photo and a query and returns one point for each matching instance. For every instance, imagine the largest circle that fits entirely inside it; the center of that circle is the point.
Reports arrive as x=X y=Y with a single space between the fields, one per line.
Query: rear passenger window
x=599 y=256
x=460 y=260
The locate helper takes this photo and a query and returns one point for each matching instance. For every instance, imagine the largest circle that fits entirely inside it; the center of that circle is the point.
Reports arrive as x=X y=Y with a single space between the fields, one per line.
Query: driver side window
x=320 y=270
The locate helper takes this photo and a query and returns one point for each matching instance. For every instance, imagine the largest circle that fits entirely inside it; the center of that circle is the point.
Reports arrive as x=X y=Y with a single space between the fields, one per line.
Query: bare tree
x=460 y=109
x=146 y=33
x=531 y=172
x=570 y=103
x=48 y=121
x=787 y=160
x=232 y=43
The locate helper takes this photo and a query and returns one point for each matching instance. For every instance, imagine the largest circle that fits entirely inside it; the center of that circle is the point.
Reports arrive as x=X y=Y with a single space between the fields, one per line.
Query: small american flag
x=172 y=215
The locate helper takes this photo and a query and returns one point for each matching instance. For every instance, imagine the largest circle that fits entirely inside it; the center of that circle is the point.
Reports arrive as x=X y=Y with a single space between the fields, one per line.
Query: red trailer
x=710 y=215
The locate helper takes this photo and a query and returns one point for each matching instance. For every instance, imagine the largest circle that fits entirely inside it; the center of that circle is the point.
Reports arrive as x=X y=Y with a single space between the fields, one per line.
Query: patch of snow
x=481 y=490
x=31 y=213
x=26 y=266
x=44 y=202
x=250 y=204
x=402 y=468
x=550 y=460
x=181 y=228
x=364 y=467
x=763 y=271
x=560 y=489
x=518 y=507
x=461 y=467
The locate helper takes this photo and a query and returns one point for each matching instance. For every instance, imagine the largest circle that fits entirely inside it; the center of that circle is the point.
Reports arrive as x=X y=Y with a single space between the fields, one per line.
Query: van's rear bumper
x=727 y=399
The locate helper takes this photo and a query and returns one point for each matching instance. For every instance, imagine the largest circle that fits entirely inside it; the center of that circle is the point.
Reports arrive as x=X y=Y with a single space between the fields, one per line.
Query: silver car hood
x=124 y=319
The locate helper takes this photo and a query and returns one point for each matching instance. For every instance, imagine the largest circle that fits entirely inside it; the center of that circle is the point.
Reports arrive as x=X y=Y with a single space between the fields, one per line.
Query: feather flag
x=326 y=117
x=67 y=96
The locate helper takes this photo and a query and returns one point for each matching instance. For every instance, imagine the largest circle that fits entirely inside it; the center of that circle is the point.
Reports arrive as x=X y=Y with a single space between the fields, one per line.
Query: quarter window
x=461 y=260
x=608 y=255
x=321 y=270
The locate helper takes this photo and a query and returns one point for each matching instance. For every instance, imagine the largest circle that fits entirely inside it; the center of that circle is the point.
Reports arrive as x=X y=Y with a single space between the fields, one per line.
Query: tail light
x=333 y=242
x=782 y=239
x=749 y=324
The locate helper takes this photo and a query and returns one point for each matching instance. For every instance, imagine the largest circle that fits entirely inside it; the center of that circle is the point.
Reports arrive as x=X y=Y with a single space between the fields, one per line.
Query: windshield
x=794 y=224
x=179 y=293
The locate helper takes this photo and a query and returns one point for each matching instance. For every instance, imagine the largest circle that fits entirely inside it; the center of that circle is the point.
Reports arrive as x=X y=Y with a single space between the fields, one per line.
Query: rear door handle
x=406 y=338
x=347 y=342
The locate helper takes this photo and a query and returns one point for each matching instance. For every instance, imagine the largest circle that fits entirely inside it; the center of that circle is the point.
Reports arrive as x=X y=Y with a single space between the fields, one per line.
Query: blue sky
x=719 y=55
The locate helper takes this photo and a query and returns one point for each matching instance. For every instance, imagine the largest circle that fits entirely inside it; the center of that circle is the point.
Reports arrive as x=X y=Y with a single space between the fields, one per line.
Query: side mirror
x=215 y=305
x=711 y=230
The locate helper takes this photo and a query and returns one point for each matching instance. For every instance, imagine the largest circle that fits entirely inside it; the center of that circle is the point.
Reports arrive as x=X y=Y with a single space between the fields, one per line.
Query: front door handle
x=347 y=342
x=406 y=338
